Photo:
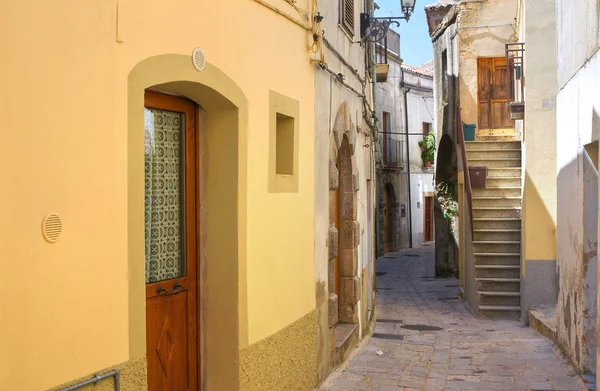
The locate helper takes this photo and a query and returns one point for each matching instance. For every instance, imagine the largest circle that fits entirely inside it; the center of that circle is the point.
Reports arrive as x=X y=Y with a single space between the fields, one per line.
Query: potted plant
x=428 y=148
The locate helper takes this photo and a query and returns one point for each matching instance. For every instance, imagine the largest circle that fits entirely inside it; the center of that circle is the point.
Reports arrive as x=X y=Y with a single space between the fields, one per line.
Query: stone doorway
x=344 y=233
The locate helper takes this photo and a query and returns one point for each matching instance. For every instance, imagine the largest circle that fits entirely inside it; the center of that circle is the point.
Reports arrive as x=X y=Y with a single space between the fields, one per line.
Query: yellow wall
x=539 y=149
x=65 y=307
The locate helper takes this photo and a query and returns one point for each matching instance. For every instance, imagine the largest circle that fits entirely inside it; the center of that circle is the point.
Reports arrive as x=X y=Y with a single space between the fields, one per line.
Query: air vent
x=198 y=59
x=51 y=227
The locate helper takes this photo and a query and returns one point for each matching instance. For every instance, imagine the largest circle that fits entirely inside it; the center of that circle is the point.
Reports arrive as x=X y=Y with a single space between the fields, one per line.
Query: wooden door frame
x=162 y=100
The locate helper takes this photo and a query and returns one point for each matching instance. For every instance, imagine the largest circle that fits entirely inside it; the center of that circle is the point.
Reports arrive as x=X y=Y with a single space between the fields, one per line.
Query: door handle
x=177 y=288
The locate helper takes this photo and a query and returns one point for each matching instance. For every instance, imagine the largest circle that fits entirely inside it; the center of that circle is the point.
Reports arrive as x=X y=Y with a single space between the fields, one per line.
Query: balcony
x=516 y=79
x=393 y=153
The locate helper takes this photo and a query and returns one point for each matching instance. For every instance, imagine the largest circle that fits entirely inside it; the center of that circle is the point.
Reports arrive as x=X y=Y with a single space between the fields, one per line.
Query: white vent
x=198 y=59
x=51 y=227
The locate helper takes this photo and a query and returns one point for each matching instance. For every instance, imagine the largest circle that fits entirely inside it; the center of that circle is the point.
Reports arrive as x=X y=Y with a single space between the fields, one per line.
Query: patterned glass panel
x=163 y=218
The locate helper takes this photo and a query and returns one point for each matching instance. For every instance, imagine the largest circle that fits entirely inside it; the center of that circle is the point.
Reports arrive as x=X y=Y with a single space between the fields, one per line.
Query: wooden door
x=492 y=94
x=388 y=221
x=427 y=224
x=336 y=260
x=171 y=193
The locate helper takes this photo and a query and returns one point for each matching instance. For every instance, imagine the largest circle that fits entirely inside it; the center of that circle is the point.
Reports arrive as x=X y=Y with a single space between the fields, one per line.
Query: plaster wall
x=390 y=99
x=578 y=124
x=483 y=29
x=73 y=160
x=330 y=95
x=539 y=154
x=578 y=36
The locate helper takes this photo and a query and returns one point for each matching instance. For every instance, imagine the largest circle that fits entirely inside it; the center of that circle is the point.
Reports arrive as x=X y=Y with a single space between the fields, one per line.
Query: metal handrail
x=463 y=153
x=96 y=379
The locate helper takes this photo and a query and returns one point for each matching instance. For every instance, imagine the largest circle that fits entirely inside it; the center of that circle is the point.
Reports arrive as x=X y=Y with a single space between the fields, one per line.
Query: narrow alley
x=426 y=339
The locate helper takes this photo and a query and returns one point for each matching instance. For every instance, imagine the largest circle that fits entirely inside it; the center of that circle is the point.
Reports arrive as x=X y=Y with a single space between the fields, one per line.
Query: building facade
x=167 y=229
x=344 y=185
x=577 y=135
x=405 y=113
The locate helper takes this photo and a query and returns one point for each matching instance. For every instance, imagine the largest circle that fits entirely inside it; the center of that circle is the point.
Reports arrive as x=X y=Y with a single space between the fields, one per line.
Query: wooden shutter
x=492 y=94
x=347 y=15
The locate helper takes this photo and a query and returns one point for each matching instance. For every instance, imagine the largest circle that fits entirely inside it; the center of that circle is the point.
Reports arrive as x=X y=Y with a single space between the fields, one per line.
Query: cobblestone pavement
x=466 y=354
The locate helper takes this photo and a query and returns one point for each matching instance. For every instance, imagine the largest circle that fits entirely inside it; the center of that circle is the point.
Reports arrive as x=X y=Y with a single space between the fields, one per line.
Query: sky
x=415 y=43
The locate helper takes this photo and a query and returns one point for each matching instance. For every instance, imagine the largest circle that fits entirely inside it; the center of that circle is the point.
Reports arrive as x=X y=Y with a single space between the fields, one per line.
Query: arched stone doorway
x=389 y=218
x=343 y=280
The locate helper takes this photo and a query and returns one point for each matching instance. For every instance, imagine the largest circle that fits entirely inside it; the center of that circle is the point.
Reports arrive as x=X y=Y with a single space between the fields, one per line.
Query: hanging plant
x=428 y=148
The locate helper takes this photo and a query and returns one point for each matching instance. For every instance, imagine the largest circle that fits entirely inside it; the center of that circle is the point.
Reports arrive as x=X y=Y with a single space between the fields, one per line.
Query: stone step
x=497 y=192
x=499 y=298
x=495 y=163
x=496 y=223
x=512 y=312
x=493 y=153
x=496 y=246
x=497 y=137
x=486 y=145
x=497 y=271
x=499 y=172
x=498 y=284
x=496 y=234
x=506 y=212
x=513 y=202
x=494 y=182
x=497 y=259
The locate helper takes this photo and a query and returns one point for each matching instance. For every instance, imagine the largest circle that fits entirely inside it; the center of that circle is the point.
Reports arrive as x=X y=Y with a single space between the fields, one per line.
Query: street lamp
x=374 y=29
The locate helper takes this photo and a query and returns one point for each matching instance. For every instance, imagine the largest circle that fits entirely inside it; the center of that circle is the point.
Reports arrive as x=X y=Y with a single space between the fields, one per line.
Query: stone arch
x=343 y=280
x=223 y=314
x=446 y=162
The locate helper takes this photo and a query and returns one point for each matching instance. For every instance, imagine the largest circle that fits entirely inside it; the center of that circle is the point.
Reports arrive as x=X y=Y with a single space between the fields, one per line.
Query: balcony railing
x=393 y=153
x=515 y=79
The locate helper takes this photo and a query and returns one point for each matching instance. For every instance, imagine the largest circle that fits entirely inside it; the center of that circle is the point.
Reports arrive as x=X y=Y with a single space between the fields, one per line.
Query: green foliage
x=428 y=147
x=446 y=194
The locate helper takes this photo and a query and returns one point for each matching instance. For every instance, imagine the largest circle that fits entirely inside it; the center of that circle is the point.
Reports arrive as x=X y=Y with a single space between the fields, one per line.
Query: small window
x=347 y=15
x=283 y=143
x=426 y=128
x=284 y=149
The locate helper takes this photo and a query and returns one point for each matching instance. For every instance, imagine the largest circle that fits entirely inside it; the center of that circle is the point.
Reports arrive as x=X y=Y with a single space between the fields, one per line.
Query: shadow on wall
x=446 y=244
x=539 y=280
x=577 y=238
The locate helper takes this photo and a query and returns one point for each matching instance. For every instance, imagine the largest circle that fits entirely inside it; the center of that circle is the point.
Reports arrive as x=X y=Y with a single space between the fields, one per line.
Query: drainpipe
x=406 y=90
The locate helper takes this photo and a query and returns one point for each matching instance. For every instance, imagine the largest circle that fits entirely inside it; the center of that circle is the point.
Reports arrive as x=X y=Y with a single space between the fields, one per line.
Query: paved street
x=465 y=354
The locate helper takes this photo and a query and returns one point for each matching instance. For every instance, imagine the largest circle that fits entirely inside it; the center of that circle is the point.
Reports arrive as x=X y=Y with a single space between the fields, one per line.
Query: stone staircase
x=497 y=228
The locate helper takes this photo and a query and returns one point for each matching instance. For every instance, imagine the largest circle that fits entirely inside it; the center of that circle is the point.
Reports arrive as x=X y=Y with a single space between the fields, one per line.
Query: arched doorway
x=178 y=329
x=389 y=213
x=343 y=281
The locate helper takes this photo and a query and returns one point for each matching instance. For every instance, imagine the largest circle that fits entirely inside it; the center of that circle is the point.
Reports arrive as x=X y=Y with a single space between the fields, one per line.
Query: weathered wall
x=578 y=36
x=330 y=95
x=446 y=98
x=578 y=124
x=420 y=109
x=539 y=156
x=390 y=99
x=477 y=40
x=74 y=161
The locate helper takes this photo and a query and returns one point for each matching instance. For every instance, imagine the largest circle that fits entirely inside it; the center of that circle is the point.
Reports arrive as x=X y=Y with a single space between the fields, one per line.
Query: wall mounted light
x=374 y=29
